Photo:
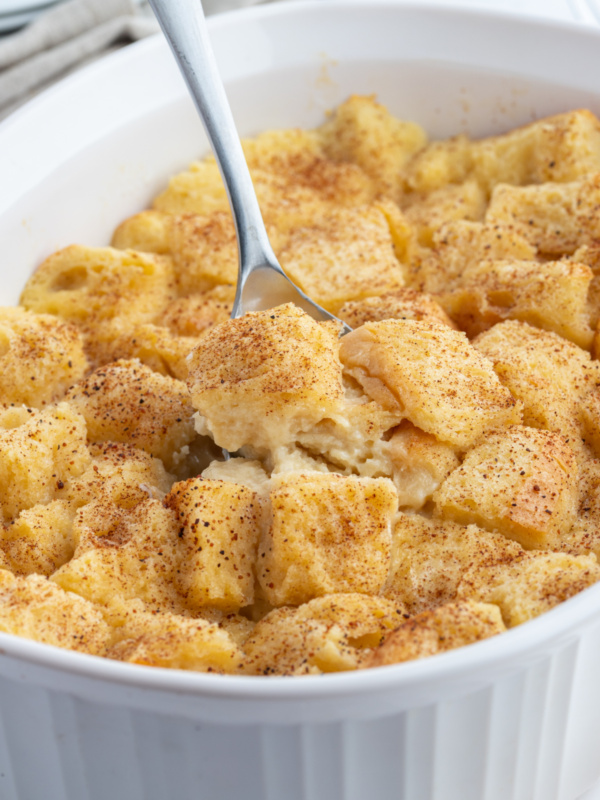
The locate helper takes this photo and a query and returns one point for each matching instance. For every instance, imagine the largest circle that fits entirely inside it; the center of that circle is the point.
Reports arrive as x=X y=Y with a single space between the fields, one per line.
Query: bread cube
x=155 y=347
x=39 y=452
x=193 y=315
x=38 y=609
x=428 y=211
x=263 y=377
x=283 y=644
x=432 y=375
x=365 y=133
x=197 y=190
x=120 y=474
x=204 y=250
x=435 y=166
x=556 y=218
x=170 y=640
x=402 y=303
x=219 y=526
x=561 y=148
x=294 y=186
x=531 y=585
x=301 y=160
x=103 y=290
x=40 y=539
x=165 y=346
x=552 y=295
x=40 y=357
x=328 y=533
x=584 y=536
x=242 y=471
x=458 y=246
x=589 y=254
x=146 y=232
x=124 y=554
x=128 y=402
x=363 y=618
x=419 y=464
x=521 y=482
x=347 y=255
x=430 y=557
x=445 y=628
x=327 y=634
x=548 y=374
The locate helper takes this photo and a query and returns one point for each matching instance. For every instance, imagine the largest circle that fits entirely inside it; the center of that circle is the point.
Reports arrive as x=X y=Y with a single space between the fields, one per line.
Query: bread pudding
x=429 y=480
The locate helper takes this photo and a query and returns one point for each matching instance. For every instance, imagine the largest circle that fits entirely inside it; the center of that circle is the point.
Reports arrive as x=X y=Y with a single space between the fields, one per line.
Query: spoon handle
x=184 y=26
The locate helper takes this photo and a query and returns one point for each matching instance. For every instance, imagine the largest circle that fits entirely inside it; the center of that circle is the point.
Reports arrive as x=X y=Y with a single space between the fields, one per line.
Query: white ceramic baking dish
x=511 y=718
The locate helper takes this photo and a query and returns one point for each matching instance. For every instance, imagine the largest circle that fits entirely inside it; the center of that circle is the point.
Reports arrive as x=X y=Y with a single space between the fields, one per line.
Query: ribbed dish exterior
x=531 y=735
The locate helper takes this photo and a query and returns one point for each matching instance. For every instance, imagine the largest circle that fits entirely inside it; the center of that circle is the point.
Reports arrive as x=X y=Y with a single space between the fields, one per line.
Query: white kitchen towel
x=62 y=38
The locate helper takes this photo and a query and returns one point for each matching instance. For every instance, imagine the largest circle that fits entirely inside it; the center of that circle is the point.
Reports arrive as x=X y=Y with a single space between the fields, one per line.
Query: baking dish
x=512 y=718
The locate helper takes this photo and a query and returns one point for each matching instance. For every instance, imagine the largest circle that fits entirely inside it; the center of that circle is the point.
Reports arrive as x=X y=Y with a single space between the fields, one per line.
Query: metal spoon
x=262 y=284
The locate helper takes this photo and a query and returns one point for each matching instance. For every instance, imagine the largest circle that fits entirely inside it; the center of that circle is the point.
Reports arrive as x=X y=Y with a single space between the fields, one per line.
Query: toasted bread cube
x=584 y=536
x=346 y=256
x=436 y=165
x=365 y=133
x=556 y=218
x=521 y=482
x=170 y=640
x=40 y=539
x=589 y=416
x=261 y=378
x=165 y=346
x=283 y=644
x=219 y=527
x=197 y=190
x=242 y=471
x=419 y=464
x=204 y=250
x=531 y=585
x=299 y=158
x=552 y=295
x=589 y=254
x=40 y=357
x=124 y=554
x=402 y=303
x=128 y=402
x=561 y=148
x=293 y=189
x=548 y=374
x=329 y=533
x=430 y=557
x=38 y=609
x=327 y=634
x=432 y=375
x=457 y=246
x=120 y=474
x=39 y=452
x=102 y=290
x=445 y=628
x=146 y=232
x=364 y=619
x=193 y=315
x=427 y=212
x=155 y=347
